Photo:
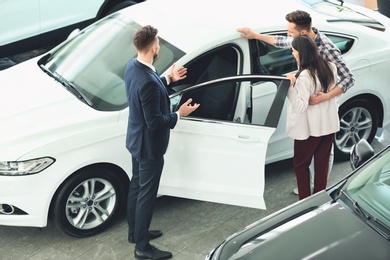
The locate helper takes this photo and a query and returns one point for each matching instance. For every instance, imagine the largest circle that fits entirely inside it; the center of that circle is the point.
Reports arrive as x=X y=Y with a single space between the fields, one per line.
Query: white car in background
x=63 y=115
x=27 y=25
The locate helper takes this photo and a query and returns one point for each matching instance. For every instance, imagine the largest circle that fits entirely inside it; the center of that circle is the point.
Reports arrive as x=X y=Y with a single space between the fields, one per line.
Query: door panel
x=220 y=160
x=280 y=145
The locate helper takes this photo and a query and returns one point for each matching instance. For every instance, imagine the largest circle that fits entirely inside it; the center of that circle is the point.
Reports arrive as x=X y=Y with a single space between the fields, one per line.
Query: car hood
x=329 y=231
x=36 y=110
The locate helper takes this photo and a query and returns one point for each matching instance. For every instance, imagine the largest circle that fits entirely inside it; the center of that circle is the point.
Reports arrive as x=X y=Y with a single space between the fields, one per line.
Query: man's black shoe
x=152 y=253
x=152 y=233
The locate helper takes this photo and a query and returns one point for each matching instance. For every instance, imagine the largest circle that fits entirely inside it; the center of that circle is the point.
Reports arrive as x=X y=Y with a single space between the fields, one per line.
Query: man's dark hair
x=144 y=37
x=301 y=19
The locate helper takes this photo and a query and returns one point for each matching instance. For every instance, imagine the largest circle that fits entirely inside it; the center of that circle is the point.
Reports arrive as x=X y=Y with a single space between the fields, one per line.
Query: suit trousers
x=141 y=199
x=304 y=150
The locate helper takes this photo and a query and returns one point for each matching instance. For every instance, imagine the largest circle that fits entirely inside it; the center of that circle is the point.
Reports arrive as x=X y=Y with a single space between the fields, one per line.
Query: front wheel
x=88 y=202
x=358 y=120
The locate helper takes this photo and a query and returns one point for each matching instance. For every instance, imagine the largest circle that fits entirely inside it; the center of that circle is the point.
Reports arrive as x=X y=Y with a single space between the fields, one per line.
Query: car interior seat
x=217 y=100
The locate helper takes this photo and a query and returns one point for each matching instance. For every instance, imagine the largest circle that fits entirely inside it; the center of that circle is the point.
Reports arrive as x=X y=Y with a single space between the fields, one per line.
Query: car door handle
x=246 y=138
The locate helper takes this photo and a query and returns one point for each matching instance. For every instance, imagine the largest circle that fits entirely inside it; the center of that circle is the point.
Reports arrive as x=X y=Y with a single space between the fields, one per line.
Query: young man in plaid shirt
x=300 y=23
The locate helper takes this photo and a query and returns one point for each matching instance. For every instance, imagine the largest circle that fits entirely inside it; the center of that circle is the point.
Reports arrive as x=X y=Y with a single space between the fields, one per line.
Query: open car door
x=217 y=153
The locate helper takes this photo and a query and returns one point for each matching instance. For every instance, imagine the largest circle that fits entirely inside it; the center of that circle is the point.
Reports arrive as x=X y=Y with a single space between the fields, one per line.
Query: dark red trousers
x=304 y=150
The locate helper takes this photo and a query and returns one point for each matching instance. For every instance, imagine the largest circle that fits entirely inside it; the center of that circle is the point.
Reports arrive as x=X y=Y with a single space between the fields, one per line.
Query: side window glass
x=217 y=101
x=278 y=61
x=219 y=63
x=238 y=100
x=343 y=43
x=269 y=60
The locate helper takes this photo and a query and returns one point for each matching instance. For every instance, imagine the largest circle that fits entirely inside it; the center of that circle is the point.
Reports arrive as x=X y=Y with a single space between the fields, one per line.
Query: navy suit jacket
x=150 y=116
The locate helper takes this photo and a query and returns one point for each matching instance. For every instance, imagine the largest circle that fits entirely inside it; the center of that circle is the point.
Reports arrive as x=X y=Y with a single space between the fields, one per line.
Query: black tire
x=358 y=120
x=121 y=6
x=88 y=202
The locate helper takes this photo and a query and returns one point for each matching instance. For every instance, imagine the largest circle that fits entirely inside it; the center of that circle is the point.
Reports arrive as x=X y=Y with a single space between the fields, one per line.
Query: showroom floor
x=191 y=228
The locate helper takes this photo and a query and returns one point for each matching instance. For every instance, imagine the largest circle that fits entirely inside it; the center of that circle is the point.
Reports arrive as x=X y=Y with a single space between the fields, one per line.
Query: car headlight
x=20 y=168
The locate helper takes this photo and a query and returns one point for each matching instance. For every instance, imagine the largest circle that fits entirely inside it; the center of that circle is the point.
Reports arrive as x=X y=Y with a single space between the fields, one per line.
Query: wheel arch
x=124 y=178
x=375 y=102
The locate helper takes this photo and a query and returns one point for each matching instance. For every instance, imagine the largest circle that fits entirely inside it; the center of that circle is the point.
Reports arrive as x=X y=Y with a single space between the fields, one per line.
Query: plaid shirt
x=328 y=51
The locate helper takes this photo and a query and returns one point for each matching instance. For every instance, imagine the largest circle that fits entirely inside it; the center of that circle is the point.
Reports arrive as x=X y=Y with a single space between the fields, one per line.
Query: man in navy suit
x=149 y=124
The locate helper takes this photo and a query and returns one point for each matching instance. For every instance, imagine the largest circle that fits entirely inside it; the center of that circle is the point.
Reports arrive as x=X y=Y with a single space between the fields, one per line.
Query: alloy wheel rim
x=355 y=124
x=91 y=203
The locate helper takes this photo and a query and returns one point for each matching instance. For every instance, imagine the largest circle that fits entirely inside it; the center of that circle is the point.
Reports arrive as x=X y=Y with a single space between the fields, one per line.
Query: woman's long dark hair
x=310 y=59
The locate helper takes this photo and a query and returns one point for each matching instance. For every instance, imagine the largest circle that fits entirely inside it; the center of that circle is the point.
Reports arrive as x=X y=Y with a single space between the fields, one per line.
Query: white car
x=27 y=25
x=63 y=115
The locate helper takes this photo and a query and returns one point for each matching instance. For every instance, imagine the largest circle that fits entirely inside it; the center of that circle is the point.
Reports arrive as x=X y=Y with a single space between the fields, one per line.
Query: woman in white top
x=312 y=127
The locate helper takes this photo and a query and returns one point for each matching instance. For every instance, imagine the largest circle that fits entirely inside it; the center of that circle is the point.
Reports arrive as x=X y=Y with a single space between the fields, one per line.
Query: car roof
x=200 y=24
x=190 y=24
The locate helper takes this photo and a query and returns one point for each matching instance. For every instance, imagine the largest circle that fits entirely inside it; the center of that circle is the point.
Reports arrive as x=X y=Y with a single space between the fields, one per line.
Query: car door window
x=251 y=101
x=278 y=61
x=217 y=63
x=217 y=100
x=343 y=43
x=270 y=60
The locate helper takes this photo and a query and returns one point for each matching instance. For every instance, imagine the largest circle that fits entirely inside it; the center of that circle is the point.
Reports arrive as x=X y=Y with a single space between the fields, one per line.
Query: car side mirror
x=360 y=153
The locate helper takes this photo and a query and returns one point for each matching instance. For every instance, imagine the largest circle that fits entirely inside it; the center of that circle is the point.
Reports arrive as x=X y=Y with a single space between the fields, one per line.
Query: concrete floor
x=191 y=228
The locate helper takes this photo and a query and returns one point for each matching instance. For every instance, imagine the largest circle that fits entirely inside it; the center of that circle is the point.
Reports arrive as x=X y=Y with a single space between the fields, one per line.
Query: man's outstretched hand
x=177 y=74
x=186 y=108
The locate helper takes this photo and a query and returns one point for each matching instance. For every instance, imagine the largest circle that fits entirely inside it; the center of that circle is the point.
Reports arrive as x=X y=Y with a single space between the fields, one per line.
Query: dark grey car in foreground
x=350 y=220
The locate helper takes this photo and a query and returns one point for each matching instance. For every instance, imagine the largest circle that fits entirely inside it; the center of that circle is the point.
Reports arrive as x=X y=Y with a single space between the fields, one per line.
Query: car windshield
x=94 y=61
x=336 y=12
x=370 y=188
